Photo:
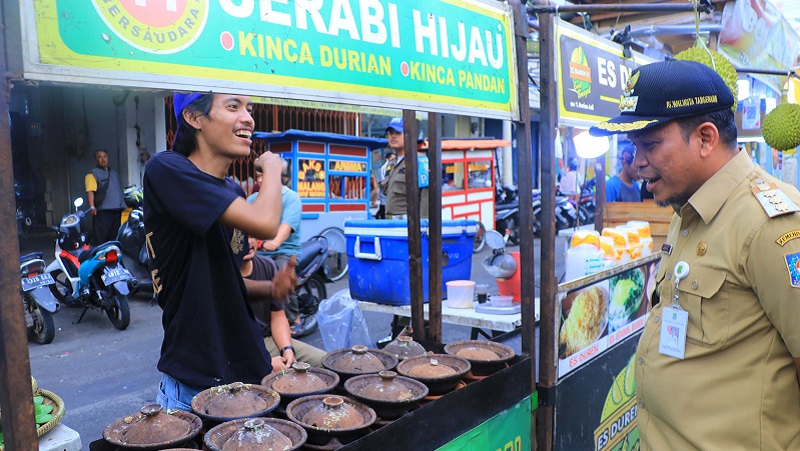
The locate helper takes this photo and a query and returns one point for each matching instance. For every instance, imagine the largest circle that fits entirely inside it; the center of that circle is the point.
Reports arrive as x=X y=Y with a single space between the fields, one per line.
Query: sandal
x=306 y=327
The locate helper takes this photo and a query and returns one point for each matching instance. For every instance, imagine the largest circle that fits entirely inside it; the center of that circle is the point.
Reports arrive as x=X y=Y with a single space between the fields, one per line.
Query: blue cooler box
x=377 y=252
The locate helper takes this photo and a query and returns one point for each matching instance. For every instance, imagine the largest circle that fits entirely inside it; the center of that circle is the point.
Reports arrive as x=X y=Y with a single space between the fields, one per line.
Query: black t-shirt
x=210 y=336
x=264 y=269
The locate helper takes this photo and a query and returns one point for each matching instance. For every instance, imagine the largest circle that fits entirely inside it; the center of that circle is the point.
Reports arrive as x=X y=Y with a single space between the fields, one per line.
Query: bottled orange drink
x=620 y=238
x=585 y=237
x=643 y=227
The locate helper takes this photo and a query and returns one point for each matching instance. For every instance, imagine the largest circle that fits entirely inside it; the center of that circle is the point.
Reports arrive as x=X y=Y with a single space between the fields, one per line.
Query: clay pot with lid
x=154 y=428
x=404 y=347
x=389 y=394
x=358 y=360
x=255 y=434
x=330 y=419
x=234 y=401
x=486 y=357
x=439 y=372
x=301 y=380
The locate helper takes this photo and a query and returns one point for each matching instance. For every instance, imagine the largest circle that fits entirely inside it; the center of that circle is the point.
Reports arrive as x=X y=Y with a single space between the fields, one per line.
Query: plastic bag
x=342 y=323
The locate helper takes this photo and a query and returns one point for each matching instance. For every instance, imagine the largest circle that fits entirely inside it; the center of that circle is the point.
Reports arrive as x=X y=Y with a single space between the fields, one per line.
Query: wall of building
x=69 y=123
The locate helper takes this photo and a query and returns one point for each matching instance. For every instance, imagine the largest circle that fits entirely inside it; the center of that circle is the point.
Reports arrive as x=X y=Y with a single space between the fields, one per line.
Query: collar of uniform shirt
x=709 y=198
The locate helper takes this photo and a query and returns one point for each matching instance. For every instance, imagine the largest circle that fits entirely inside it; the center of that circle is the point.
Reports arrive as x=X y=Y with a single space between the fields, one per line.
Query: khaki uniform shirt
x=396 y=202
x=737 y=388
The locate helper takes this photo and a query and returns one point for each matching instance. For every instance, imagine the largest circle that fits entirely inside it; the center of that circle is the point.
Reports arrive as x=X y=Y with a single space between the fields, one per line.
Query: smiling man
x=196 y=219
x=730 y=380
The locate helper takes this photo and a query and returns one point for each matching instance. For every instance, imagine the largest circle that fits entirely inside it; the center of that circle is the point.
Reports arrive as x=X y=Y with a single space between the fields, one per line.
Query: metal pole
x=546 y=8
x=413 y=214
x=525 y=179
x=435 y=228
x=548 y=133
x=16 y=402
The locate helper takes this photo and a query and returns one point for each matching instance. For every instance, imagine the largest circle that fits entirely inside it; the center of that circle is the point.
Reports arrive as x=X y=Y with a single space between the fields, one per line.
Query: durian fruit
x=699 y=53
x=781 y=127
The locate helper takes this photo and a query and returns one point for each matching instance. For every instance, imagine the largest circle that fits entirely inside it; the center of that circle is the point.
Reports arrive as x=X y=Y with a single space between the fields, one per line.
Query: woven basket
x=34 y=385
x=58 y=411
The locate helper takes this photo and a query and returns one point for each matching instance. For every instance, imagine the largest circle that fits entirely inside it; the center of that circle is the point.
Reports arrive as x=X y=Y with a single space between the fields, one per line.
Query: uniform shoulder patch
x=788 y=236
x=773 y=200
x=793 y=265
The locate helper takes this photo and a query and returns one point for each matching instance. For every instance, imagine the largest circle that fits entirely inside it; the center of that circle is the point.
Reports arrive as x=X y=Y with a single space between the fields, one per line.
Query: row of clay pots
x=304 y=394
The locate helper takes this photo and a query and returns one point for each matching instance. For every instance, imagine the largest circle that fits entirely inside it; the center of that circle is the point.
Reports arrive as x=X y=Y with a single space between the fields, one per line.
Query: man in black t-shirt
x=196 y=220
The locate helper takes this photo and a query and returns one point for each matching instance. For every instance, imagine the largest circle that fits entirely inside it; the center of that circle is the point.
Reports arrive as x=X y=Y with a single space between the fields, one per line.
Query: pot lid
x=386 y=386
x=300 y=379
x=404 y=347
x=434 y=366
x=153 y=427
x=359 y=360
x=480 y=352
x=330 y=413
x=234 y=401
x=260 y=434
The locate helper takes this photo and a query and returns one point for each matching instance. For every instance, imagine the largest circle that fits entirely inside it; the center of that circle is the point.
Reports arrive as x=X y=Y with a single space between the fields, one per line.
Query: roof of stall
x=467 y=143
x=331 y=138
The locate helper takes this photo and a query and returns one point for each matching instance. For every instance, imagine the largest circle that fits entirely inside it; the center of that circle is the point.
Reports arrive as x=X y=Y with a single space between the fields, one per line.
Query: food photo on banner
x=596 y=407
x=600 y=315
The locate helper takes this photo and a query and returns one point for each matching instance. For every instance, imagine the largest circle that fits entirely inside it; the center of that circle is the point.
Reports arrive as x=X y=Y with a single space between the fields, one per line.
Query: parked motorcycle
x=89 y=277
x=40 y=305
x=131 y=237
x=507 y=213
x=311 y=280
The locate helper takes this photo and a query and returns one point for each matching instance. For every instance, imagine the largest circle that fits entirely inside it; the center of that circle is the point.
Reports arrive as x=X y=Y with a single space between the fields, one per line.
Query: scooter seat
x=309 y=251
x=31 y=256
x=91 y=252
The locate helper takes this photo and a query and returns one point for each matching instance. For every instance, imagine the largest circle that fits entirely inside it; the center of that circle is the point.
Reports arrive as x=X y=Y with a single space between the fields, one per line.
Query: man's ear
x=709 y=138
x=191 y=118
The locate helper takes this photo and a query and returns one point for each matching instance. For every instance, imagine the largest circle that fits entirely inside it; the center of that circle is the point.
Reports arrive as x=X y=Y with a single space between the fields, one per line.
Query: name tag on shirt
x=673 y=332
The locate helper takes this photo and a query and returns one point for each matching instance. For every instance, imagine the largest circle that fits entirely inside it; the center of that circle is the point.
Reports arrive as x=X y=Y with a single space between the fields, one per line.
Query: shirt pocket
x=398 y=184
x=708 y=306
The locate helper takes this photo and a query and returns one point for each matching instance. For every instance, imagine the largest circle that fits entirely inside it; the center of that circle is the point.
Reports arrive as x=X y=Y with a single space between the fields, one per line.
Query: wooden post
x=525 y=180
x=16 y=401
x=413 y=213
x=548 y=133
x=435 y=228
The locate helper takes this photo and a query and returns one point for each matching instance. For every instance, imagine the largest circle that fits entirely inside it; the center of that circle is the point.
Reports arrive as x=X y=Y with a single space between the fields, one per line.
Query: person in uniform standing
x=717 y=364
x=395 y=182
x=388 y=159
x=104 y=193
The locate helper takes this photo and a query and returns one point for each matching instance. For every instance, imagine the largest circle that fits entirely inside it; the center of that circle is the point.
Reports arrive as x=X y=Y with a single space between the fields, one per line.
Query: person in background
x=572 y=181
x=623 y=187
x=388 y=159
x=286 y=246
x=374 y=196
x=395 y=181
x=104 y=193
x=727 y=289
x=270 y=314
x=197 y=221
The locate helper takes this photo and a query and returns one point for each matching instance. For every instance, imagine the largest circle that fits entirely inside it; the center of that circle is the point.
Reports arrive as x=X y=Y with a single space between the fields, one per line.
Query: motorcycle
x=131 y=237
x=311 y=280
x=89 y=277
x=507 y=213
x=40 y=305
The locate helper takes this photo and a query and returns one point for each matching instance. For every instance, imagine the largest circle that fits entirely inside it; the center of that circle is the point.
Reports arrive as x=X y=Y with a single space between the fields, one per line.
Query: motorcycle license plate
x=31 y=283
x=115 y=275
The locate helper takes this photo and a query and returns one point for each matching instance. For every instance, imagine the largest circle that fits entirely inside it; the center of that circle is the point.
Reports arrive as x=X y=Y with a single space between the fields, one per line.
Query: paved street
x=103 y=374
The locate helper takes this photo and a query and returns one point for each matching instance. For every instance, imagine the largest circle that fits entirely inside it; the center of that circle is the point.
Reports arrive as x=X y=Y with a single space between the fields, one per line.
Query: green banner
x=448 y=56
x=509 y=430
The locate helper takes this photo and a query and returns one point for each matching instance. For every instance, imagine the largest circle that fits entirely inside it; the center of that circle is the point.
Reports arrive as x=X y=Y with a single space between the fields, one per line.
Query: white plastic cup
x=502 y=301
x=460 y=293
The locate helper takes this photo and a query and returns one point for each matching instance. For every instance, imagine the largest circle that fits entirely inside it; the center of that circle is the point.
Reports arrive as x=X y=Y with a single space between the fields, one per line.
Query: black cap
x=667 y=90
